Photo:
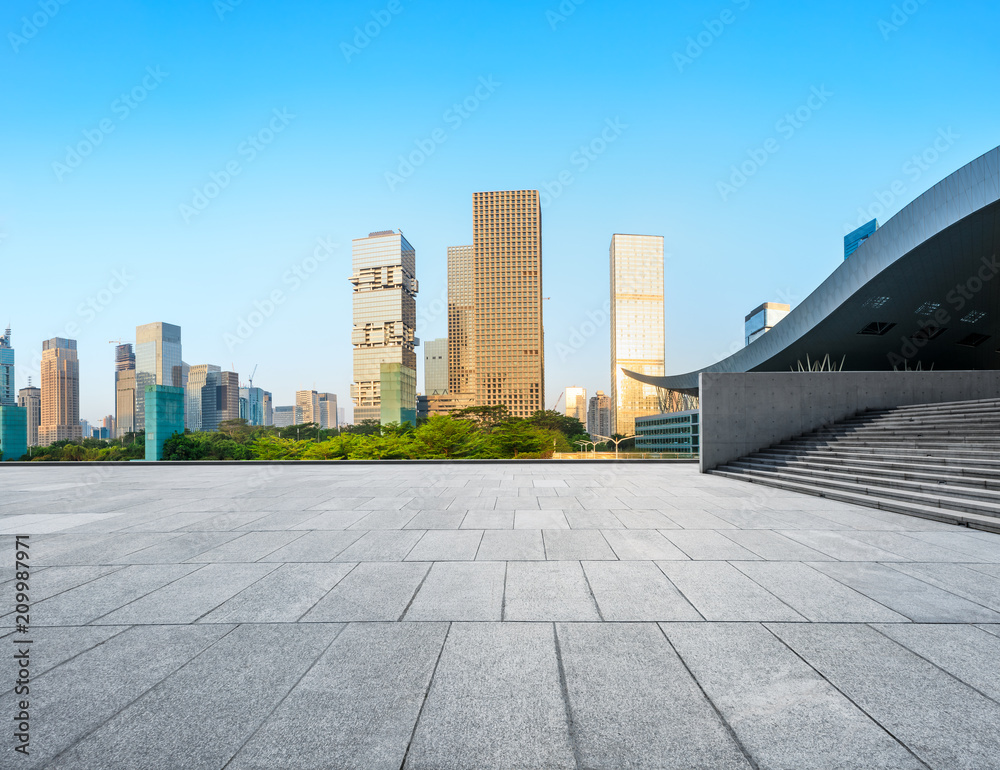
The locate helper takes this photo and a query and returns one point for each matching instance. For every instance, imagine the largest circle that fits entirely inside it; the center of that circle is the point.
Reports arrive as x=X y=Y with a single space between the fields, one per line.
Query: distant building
x=85 y=429
x=436 y=366
x=385 y=315
x=13 y=432
x=286 y=416
x=576 y=403
x=341 y=415
x=252 y=406
x=198 y=377
x=671 y=432
x=7 y=397
x=157 y=362
x=60 y=419
x=328 y=410
x=164 y=417
x=855 y=238
x=764 y=318
x=308 y=402
x=461 y=322
x=220 y=399
x=124 y=390
x=443 y=404
x=599 y=415
x=31 y=399
x=268 y=408
x=398 y=387
x=637 y=326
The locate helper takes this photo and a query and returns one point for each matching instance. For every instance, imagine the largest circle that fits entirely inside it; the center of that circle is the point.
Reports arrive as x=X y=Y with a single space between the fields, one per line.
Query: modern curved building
x=923 y=291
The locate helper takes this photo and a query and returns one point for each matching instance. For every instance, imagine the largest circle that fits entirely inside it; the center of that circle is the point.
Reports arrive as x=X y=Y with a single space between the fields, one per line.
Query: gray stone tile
x=708 y=545
x=773 y=546
x=957 y=579
x=698 y=519
x=943 y=721
x=180 y=548
x=372 y=591
x=488 y=520
x=634 y=705
x=353 y=719
x=460 y=591
x=201 y=715
x=283 y=596
x=438 y=545
x=495 y=701
x=384 y=520
x=223 y=522
x=908 y=548
x=249 y=547
x=574 y=545
x=547 y=591
x=436 y=520
x=54 y=646
x=541 y=519
x=187 y=599
x=332 y=520
x=916 y=599
x=720 y=592
x=841 y=545
x=644 y=519
x=78 y=606
x=816 y=596
x=108 y=549
x=641 y=545
x=315 y=546
x=592 y=520
x=469 y=503
x=748 y=519
x=79 y=696
x=632 y=591
x=279 y=521
x=54 y=580
x=511 y=545
x=966 y=652
x=390 y=545
x=975 y=548
x=783 y=712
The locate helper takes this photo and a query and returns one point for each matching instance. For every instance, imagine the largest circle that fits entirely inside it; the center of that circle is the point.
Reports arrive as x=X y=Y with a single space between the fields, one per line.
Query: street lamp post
x=617 y=441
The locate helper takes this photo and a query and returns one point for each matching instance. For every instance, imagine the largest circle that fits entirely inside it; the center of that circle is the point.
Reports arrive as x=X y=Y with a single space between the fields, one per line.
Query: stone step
x=951 y=464
x=973 y=449
x=930 y=473
x=972 y=520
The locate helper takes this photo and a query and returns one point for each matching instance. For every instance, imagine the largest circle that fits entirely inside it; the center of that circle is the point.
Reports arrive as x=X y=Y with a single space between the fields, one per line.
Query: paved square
x=480 y=615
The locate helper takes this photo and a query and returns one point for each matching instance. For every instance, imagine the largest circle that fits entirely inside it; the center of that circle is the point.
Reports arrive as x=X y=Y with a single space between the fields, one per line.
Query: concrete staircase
x=937 y=461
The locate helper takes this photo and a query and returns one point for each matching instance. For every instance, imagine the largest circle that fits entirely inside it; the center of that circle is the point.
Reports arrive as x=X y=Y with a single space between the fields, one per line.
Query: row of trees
x=129 y=447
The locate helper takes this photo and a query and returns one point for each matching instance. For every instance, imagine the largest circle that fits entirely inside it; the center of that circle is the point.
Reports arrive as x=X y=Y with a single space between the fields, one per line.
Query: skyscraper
x=507 y=292
x=7 y=393
x=197 y=380
x=764 y=318
x=637 y=332
x=60 y=392
x=124 y=390
x=599 y=415
x=252 y=405
x=461 y=322
x=31 y=399
x=13 y=432
x=308 y=402
x=576 y=403
x=328 y=410
x=220 y=399
x=268 y=407
x=436 y=366
x=385 y=315
x=157 y=362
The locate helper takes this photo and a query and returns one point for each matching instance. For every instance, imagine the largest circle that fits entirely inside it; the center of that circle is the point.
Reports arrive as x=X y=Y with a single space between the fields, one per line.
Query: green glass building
x=398 y=386
x=164 y=414
x=13 y=432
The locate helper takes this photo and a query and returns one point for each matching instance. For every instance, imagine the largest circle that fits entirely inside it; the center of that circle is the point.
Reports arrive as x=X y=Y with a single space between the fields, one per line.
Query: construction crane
x=253 y=373
x=555 y=407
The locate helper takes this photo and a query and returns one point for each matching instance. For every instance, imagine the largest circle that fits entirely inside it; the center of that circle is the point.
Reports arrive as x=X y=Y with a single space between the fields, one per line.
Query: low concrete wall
x=742 y=413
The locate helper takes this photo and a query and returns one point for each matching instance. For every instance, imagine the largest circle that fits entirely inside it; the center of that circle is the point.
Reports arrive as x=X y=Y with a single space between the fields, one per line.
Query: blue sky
x=314 y=119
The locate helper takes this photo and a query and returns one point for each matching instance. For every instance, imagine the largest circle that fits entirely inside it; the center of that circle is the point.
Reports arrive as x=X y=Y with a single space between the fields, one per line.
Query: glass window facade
x=197 y=380
x=60 y=392
x=13 y=432
x=436 y=367
x=7 y=397
x=763 y=319
x=157 y=362
x=678 y=432
x=399 y=394
x=31 y=399
x=164 y=417
x=576 y=403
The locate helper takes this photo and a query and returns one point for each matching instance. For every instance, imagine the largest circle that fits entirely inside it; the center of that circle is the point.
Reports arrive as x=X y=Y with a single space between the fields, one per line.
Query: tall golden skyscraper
x=637 y=334
x=461 y=322
x=508 y=344
x=60 y=392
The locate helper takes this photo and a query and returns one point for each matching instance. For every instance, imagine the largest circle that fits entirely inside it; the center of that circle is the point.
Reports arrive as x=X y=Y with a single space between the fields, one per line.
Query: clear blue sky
x=203 y=85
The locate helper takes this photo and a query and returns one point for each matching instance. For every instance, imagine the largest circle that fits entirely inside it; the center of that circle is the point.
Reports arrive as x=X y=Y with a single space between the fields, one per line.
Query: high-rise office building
x=341 y=415
x=164 y=417
x=762 y=319
x=637 y=330
x=599 y=415
x=124 y=390
x=385 y=315
x=197 y=379
x=398 y=403
x=436 y=367
x=507 y=285
x=220 y=399
x=461 y=322
x=252 y=405
x=268 y=408
x=308 y=402
x=328 y=410
x=85 y=430
x=855 y=238
x=13 y=432
x=157 y=362
x=286 y=416
x=60 y=419
x=108 y=427
x=31 y=399
x=576 y=403
x=7 y=392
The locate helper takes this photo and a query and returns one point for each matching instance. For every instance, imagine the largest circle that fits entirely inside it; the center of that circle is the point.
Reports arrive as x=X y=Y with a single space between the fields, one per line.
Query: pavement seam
x=564 y=688
x=423 y=702
x=725 y=723
x=590 y=590
x=503 y=600
x=678 y=590
x=278 y=548
x=246 y=588
x=851 y=700
x=192 y=572
x=417 y=590
x=893 y=565
x=313 y=606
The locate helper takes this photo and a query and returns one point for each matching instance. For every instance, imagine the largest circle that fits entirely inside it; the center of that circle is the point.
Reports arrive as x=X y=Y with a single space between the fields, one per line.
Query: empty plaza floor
x=481 y=615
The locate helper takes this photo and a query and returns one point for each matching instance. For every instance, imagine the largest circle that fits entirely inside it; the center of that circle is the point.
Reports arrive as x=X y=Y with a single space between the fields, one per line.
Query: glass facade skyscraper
x=576 y=403
x=385 y=315
x=436 y=367
x=637 y=326
x=763 y=319
x=461 y=322
x=124 y=390
x=31 y=399
x=164 y=417
x=157 y=362
x=60 y=392
x=13 y=432
x=7 y=392
x=399 y=394
x=197 y=379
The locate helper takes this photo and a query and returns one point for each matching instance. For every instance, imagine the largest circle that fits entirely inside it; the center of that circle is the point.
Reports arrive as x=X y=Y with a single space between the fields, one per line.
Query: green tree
x=442 y=437
x=486 y=417
x=516 y=438
x=183 y=446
